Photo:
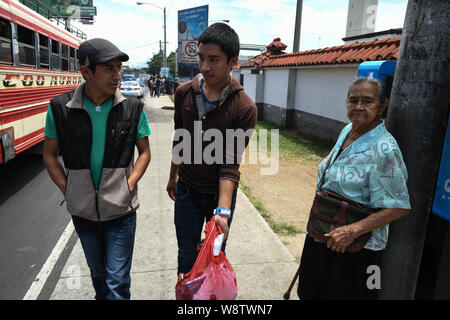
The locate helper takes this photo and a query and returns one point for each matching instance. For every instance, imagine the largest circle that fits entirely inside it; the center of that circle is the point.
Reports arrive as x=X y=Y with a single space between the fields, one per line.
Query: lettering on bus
x=24 y=80
x=27 y=81
x=54 y=81
x=11 y=80
x=40 y=81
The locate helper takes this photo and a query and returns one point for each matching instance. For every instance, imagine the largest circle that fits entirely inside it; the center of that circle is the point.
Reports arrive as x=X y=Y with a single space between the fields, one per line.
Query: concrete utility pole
x=165 y=41
x=298 y=26
x=292 y=82
x=417 y=117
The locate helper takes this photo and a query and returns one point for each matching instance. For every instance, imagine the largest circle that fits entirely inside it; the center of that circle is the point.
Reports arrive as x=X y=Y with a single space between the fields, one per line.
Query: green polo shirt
x=99 y=118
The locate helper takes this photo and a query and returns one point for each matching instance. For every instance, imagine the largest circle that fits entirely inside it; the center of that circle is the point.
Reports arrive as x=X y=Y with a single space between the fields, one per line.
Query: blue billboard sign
x=191 y=23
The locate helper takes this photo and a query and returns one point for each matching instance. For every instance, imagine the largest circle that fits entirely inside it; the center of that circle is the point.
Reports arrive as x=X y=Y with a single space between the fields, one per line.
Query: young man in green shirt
x=97 y=129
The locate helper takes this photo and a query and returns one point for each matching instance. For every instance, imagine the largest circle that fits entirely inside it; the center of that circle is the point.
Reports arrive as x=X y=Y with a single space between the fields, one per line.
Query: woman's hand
x=340 y=238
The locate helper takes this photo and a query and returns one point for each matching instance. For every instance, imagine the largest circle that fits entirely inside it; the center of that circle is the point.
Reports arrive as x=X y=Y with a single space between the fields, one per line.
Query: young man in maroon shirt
x=215 y=100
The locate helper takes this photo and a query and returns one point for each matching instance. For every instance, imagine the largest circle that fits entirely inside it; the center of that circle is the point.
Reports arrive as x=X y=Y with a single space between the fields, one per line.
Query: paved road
x=31 y=222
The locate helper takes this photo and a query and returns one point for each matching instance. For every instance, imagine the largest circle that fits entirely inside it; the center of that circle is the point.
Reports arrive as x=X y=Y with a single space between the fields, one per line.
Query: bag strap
x=324 y=172
x=201 y=109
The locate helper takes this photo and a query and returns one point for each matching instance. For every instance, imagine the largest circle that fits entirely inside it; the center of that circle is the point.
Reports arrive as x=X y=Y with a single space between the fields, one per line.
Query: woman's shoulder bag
x=330 y=211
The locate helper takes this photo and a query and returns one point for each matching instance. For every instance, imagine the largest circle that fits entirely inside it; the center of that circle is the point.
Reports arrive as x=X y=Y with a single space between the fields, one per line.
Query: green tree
x=155 y=63
x=171 y=61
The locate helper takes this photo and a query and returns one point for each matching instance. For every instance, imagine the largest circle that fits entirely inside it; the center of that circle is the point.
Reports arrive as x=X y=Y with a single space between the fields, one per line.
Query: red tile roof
x=273 y=49
x=385 y=49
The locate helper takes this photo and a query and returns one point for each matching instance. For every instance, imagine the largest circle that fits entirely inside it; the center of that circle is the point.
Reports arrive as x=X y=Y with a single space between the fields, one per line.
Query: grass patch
x=280 y=228
x=296 y=146
x=293 y=146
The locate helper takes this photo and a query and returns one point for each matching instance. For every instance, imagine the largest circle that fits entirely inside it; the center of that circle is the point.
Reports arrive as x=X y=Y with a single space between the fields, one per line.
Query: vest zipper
x=92 y=178
x=103 y=163
x=96 y=205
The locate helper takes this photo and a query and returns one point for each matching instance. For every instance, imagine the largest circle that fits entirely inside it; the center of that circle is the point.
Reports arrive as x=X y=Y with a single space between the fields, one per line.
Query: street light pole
x=165 y=42
x=164 y=59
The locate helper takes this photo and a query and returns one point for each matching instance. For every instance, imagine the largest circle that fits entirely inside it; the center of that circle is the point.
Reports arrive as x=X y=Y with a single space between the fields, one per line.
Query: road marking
x=40 y=280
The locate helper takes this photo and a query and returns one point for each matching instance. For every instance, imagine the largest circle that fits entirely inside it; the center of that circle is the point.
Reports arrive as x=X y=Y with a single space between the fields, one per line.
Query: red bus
x=38 y=61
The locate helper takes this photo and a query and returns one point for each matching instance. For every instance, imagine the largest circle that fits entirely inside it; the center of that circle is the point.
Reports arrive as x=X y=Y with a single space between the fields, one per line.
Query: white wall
x=276 y=87
x=323 y=90
x=250 y=86
x=236 y=73
x=254 y=87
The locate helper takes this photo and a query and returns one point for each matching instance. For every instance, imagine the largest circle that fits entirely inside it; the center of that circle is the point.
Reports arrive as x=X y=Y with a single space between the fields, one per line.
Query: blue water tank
x=380 y=70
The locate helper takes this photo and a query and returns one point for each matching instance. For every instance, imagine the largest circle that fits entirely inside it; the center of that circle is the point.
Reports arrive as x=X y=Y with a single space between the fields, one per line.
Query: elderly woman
x=366 y=166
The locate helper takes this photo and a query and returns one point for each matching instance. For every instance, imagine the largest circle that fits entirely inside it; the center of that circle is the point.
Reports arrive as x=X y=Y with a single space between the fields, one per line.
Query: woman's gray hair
x=381 y=88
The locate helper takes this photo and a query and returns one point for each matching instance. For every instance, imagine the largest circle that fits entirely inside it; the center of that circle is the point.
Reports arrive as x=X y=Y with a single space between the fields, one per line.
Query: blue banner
x=441 y=203
x=191 y=23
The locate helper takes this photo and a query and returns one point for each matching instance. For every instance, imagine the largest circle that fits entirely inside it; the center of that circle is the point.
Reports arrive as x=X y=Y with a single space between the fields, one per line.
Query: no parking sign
x=189 y=52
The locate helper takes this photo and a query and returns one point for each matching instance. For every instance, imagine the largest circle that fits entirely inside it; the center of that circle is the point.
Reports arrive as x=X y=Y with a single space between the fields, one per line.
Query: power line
x=144 y=45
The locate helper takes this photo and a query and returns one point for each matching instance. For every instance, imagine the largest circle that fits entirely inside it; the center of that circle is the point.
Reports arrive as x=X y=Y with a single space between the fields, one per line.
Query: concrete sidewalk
x=263 y=265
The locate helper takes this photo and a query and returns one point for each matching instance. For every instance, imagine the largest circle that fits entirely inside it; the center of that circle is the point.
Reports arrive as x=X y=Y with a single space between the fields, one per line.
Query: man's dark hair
x=222 y=35
x=92 y=68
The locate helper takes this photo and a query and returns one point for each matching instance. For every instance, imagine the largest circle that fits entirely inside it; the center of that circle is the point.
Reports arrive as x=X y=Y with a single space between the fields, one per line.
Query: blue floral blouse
x=370 y=171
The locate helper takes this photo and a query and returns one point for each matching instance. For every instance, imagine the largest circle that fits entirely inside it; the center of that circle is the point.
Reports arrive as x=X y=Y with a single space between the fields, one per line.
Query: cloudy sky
x=137 y=30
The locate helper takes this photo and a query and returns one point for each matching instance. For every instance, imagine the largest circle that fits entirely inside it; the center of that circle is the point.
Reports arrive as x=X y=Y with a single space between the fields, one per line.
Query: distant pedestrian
x=154 y=87
x=97 y=129
x=167 y=85
x=151 y=85
x=203 y=190
x=163 y=85
x=175 y=85
x=158 y=86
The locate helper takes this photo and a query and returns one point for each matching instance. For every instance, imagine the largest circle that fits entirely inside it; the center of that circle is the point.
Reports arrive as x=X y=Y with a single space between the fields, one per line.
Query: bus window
x=77 y=63
x=54 y=59
x=65 y=58
x=71 y=59
x=5 y=42
x=43 y=52
x=26 y=47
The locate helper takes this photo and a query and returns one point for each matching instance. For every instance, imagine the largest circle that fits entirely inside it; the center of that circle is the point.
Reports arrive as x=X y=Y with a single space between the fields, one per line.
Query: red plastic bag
x=211 y=277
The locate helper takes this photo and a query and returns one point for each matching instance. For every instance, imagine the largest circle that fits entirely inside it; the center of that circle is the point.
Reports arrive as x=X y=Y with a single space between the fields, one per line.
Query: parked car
x=128 y=77
x=131 y=88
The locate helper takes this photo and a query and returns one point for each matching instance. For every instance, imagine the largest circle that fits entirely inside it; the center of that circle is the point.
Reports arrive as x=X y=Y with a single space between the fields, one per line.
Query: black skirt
x=326 y=274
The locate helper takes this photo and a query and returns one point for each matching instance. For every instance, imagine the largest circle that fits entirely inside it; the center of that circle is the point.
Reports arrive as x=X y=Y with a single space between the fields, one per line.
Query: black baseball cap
x=97 y=51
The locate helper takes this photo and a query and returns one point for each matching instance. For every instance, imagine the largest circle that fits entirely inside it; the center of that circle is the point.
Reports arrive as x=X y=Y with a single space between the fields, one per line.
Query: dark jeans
x=192 y=208
x=108 y=248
